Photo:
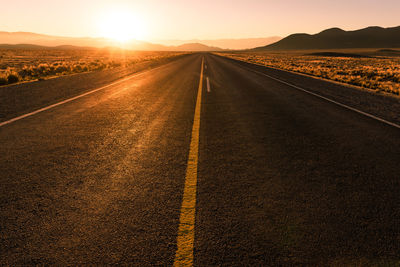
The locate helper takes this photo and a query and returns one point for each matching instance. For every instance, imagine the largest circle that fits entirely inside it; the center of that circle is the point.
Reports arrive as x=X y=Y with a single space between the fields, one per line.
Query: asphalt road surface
x=278 y=177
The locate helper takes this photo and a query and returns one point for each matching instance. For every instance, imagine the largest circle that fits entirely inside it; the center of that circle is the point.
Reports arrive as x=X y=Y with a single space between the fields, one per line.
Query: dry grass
x=26 y=65
x=377 y=73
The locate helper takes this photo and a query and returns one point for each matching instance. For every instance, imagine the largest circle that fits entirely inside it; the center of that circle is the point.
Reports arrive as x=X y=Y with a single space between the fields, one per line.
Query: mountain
x=48 y=40
x=195 y=47
x=232 y=44
x=41 y=47
x=22 y=46
x=335 y=38
x=26 y=39
x=57 y=41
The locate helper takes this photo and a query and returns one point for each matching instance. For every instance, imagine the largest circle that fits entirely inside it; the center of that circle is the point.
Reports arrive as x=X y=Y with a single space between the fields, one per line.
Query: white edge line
x=76 y=97
x=208 y=85
x=327 y=99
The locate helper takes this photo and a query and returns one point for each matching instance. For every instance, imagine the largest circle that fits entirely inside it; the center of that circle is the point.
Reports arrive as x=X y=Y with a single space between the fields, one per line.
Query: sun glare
x=121 y=26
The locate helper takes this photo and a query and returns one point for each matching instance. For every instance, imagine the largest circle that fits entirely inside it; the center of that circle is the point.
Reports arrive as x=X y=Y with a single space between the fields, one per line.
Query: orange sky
x=186 y=19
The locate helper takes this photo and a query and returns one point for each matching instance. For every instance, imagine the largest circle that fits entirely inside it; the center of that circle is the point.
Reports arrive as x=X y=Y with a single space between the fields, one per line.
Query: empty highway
x=203 y=161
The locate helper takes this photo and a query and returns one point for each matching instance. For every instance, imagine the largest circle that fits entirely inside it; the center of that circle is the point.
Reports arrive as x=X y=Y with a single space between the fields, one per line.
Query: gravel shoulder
x=381 y=105
x=22 y=98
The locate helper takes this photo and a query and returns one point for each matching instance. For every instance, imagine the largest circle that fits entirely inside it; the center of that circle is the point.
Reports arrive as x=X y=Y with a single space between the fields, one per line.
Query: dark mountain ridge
x=336 y=38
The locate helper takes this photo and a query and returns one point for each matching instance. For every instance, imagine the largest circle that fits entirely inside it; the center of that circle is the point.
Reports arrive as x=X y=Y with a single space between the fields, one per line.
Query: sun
x=122 y=26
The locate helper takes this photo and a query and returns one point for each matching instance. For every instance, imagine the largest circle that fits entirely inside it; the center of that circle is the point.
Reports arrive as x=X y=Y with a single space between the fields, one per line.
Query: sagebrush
x=27 y=65
x=376 y=73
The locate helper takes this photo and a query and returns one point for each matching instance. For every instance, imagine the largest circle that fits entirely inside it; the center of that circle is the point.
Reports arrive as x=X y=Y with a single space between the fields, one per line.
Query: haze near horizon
x=157 y=20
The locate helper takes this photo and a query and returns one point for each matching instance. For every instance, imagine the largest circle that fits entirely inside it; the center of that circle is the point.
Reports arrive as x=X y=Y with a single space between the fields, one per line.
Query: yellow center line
x=185 y=240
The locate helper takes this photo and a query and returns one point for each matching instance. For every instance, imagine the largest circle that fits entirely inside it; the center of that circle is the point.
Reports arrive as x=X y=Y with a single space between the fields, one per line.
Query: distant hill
x=336 y=54
x=389 y=51
x=195 y=47
x=48 y=40
x=245 y=43
x=232 y=44
x=28 y=40
x=41 y=47
x=21 y=46
x=335 y=38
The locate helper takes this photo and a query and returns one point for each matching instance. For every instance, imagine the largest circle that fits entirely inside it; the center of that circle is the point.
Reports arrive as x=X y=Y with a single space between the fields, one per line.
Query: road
x=259 y=172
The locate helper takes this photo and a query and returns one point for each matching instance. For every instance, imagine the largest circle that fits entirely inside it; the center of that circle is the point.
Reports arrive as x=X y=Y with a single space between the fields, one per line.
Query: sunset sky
x=186 y=19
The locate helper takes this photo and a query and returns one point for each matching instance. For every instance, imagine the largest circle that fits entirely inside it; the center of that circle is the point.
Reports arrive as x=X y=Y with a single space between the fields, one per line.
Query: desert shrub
x=342 y=73
x=3 y=80
x=12 y=78
x=100 y=66
x=23 y=73
x=51 y=69
x=43 y=69
x=77 y=68
x=61 y=69
x=115 y=64
x=30 y=65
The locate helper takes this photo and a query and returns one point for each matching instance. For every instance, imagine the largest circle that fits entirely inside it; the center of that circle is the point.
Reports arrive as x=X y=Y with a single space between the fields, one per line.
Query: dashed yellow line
x=185 y=240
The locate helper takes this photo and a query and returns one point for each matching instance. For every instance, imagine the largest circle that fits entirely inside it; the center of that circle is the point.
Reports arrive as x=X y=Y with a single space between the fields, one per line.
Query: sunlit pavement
x=283 y=177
